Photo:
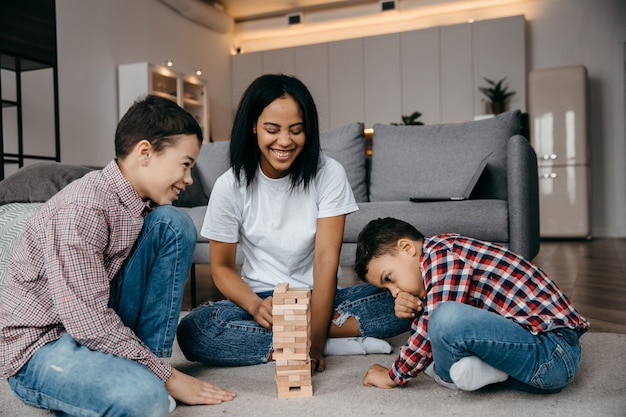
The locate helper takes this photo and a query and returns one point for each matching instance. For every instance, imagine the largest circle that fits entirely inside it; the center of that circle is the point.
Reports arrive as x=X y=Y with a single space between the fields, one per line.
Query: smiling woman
x=285 y=204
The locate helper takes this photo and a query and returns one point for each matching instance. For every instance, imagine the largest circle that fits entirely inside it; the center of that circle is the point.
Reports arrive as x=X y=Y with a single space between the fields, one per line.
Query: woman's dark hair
x=379 y=237
x=157 y=120
x=244 y=148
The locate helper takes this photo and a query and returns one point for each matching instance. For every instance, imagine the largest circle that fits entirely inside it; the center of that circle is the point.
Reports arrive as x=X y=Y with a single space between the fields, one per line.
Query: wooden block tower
x=291 y=340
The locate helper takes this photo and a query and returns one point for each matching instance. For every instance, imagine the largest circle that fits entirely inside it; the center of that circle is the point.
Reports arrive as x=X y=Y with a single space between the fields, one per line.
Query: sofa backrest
x=347 y=145
x=422 y=161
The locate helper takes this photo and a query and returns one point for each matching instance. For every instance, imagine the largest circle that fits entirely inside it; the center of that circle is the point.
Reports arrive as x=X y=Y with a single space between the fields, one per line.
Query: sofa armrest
x=523 y=197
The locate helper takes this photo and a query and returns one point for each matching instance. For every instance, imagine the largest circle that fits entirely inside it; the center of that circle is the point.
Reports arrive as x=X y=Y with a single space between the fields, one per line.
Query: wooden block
x=303 y=368
x=288 y=362
x=293 y=347
x=281 y=288
x=290 y=356
x=280 y=308
x=295 y=392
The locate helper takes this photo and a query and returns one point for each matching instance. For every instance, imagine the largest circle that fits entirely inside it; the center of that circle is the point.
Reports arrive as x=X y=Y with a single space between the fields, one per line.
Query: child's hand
x=378 y=376
x=263 y=313
x=407 y=306
x=192 y=391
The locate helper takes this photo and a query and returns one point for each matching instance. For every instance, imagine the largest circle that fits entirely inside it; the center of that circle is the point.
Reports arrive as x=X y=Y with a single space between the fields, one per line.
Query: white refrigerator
x=557 y=108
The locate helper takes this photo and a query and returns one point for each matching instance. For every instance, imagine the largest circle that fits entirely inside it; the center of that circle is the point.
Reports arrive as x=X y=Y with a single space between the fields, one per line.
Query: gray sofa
x=420 y=161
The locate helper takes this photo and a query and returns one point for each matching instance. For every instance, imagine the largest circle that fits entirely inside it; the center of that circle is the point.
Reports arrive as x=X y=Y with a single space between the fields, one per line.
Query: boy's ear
x=143 y=151
x=406 y=245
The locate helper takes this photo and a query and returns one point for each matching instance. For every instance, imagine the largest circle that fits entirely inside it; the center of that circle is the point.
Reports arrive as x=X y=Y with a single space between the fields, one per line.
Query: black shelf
x=18 y=65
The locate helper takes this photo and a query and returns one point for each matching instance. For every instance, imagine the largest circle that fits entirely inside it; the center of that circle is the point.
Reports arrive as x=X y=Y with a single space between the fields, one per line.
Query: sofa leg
x=192 y=285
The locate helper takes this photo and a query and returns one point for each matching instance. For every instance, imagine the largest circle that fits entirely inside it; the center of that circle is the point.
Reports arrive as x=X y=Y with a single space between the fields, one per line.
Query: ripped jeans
x=222 y=333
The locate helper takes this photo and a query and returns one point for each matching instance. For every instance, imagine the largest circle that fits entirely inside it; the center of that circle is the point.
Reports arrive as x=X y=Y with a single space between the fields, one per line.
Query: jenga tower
x=292 y=341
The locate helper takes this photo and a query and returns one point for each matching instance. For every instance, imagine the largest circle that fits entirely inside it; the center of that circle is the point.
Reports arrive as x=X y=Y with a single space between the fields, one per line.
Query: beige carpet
x=598 y=390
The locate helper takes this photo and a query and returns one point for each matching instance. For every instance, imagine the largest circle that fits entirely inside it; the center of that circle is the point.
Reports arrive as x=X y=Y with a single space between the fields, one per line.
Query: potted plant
x=410 y=120
x=497 y=93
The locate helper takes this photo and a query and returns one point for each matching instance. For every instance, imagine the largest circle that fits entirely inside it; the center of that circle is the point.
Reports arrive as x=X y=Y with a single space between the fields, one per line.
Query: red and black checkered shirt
x=487 y=276
x=61 y=271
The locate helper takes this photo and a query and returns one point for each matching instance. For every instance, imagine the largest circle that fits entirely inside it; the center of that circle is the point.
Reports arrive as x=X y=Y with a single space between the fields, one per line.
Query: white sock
x=471 y=373
x=430 y=371
x=172 y=403
x=355 y=346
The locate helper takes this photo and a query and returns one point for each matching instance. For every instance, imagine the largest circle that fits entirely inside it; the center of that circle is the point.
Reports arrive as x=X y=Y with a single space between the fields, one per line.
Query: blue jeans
x=222 y=333
x=71 y=380
x=542 y=363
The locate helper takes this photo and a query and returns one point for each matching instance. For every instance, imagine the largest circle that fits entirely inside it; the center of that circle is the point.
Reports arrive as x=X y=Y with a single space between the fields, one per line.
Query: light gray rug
x=599 y=389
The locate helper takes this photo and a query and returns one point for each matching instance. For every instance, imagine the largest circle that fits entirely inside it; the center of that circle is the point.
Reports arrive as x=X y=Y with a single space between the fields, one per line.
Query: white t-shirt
x=274 y=224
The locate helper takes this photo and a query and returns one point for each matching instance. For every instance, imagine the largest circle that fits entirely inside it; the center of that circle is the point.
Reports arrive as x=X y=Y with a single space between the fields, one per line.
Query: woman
x=285 y=205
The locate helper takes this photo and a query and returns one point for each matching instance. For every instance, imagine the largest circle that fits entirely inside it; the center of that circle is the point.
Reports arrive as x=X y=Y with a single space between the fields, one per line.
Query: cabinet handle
x=549 y=157
x=550 y=176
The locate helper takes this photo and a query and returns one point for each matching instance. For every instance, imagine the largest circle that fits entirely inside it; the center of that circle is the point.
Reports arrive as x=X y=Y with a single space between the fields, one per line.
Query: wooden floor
x=591 y=273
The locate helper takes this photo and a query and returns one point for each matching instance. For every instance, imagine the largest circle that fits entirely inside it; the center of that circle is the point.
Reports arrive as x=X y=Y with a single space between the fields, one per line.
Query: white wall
x=96 y=36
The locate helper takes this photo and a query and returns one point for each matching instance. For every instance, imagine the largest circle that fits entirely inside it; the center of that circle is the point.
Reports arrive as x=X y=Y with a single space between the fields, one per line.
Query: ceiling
x=246 y=10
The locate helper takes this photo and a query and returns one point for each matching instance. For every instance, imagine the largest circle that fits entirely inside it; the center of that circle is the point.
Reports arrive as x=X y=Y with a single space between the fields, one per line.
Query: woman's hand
x=192 y=391
x=263 y=313
x=378 y=376
x=407 y=306
x=317 y=363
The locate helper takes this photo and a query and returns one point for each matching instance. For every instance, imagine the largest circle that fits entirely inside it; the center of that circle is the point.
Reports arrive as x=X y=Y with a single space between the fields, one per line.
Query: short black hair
x=155 y=119
x=378 y=238
x=245 y=154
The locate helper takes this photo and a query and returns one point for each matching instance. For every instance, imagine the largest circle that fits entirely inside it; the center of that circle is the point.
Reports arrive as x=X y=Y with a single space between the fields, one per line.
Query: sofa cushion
x=38 y=182
x=346 y=144
x=420 y=161
x=485 y=219
x=213 y=161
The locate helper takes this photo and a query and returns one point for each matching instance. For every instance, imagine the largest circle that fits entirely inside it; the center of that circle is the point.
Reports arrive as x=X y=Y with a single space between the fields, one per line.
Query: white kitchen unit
x=557 y=104
x=188 y=91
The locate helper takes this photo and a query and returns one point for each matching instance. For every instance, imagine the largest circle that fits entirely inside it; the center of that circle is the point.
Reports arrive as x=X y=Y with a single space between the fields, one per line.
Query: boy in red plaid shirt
x=481 y=313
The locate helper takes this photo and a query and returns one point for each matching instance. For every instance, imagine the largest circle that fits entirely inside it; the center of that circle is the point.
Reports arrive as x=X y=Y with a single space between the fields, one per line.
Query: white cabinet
x=557 y=101
x=188 y=91
x=376 y=79
x=564 y=211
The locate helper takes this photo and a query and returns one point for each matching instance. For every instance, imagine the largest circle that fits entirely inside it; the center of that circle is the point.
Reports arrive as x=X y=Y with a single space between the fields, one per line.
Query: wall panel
x=457 y=80
x=312 y=69
x=382 y=79
x=245 y=68
x=377 y=79
x=421 y=74
x=498 y=53
x=346 y=82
